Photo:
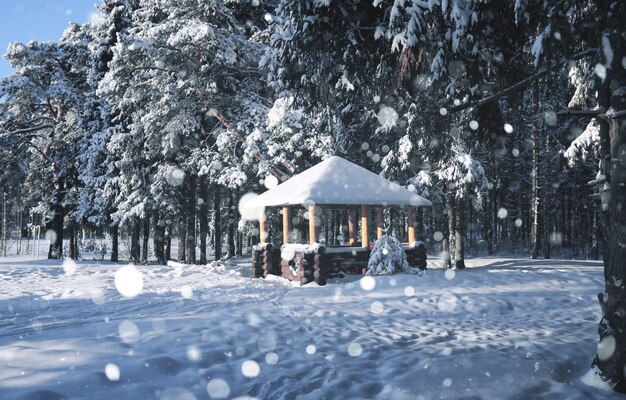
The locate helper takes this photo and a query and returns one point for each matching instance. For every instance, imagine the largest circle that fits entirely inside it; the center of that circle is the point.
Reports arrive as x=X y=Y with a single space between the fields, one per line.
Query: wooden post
x=262 y=230
x=411 y=224
x=365 y=241
x=379 y=222
x=312 y=226
x=286 y=224
x=351 y=226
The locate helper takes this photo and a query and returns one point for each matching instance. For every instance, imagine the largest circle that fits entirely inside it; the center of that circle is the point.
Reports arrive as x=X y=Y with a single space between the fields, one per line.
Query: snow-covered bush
x=387 y=256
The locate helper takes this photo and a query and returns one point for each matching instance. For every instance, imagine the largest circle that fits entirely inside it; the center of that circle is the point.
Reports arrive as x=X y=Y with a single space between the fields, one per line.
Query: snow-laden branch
x=589 y=139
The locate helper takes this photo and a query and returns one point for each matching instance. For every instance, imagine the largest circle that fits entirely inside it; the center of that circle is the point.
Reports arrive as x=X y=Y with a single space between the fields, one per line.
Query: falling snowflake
x=193 y=353
x=129 y=332
x=112 y=372
x=186 y=292
x=355 y=349
x=377 y=307
x=129 y=281
x=69 y=267
x=449 y=274
x=600 y=71
x=249 y=213
x=218 y=388
x=250 y=369
x=271 y=182
x=367 y=283
x=271 y=358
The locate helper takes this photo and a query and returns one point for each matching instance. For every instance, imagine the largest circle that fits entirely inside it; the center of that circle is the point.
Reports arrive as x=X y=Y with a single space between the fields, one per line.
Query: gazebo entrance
x=332 y=184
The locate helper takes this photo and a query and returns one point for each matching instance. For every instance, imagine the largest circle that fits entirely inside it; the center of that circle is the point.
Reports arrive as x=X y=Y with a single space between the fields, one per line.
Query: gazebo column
x=411 y=224
x=286 y=224
x=312 y=226
x=365 y=241
x=351 y=226
x=262 y=231
x=379 y=222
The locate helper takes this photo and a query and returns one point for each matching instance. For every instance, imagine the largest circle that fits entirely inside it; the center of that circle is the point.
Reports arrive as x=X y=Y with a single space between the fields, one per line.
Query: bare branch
x=521 y=84
x=31 y=129
x=614 y=115
x=26 y=141
x=599 y=113
x=149 y=67
x=581 y=113
x=55 y=110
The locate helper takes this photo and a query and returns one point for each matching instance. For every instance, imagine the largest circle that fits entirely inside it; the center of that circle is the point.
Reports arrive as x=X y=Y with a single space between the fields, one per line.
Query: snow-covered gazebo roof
x=337 y=181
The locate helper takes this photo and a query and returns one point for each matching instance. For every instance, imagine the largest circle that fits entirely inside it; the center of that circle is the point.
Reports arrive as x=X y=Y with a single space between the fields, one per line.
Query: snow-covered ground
x=503 y=328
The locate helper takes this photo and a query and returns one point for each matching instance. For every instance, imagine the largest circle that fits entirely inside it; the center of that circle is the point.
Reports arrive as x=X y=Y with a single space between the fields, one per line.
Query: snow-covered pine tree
x=183 y=79
x=99 y=173
x=47 y=95
x=599 y=33
x=461 y=175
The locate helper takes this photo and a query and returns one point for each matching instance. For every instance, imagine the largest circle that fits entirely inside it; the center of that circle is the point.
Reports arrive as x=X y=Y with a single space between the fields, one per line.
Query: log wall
x=318 y=264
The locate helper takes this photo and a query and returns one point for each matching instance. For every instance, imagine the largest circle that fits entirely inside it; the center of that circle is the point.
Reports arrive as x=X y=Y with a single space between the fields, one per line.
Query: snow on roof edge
x=337 y=181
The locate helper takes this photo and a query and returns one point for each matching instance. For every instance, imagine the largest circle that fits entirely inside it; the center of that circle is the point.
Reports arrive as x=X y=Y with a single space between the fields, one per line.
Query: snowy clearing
x=503 y=328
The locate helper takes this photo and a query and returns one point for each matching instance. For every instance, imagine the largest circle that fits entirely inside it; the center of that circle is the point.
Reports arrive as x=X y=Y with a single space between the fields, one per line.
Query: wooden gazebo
x=340 y=184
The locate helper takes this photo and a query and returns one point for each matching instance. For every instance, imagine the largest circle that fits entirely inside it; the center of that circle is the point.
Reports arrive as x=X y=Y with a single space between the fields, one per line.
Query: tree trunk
x=167 y=250
x=595 y=250
x=159 y=237
x=135 y=229
x=239 y=244
x=573 y=220
x=190 y=237
x=468 y=228
x=182 y=224
x=450 y=204
x=567 y=234
x=115 y=242
x=445 y=242
x=55 y=224
x=611 y=357
x=238 y=235
x=146 y=237
x=217 y=231
x=548 y=204
x=534 y=233
x=3 y=239
x=203 y=210
x=494 y=215
x=332 y=236
x=230 y=236
x=459 y=233
x=74 y=254
x=489 y=220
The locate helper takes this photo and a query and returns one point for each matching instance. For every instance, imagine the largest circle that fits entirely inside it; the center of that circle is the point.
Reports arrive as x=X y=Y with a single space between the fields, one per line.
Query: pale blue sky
x=26 y=20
